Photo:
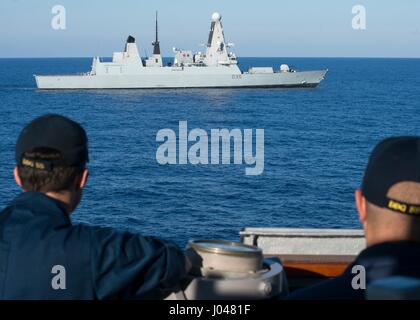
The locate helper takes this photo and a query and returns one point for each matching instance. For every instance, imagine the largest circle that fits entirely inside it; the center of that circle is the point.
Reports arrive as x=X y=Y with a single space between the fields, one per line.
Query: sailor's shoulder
x=337 y=288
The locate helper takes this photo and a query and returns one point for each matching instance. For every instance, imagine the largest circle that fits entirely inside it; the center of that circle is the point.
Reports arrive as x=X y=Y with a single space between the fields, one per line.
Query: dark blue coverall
x=44 y=256
x=400 y=258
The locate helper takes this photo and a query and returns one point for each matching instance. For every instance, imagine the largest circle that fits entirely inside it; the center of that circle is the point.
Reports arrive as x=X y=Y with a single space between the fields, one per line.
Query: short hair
x=59 y=178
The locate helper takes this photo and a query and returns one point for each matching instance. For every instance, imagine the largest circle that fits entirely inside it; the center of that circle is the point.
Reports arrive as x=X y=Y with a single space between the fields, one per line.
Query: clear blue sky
x=302 y=28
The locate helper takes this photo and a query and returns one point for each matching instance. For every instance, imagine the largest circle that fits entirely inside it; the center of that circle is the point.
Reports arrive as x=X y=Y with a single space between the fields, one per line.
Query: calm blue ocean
x=317 y=142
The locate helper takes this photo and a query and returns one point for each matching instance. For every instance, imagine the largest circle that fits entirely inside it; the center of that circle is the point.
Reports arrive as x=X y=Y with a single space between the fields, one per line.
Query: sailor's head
x=51 y=156
x=388 y=201
x=216 y=17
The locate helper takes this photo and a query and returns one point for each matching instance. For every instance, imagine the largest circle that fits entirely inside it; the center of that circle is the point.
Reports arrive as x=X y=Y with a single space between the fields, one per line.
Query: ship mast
x=156 y=46
x=216 y=52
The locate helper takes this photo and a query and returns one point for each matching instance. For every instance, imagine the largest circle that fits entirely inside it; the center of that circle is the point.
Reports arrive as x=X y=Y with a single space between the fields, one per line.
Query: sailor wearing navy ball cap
x=43 y=255
x=388 y=203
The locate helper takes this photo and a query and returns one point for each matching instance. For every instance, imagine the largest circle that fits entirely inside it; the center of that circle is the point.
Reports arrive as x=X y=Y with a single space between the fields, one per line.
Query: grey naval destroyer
x=216 y=68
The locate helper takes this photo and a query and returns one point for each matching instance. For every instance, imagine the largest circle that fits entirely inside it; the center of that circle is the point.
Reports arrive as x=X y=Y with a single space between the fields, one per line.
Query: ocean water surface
x=317 y=142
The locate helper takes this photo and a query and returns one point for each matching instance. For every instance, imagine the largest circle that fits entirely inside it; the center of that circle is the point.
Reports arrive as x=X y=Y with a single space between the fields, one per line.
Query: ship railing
x=308 y=255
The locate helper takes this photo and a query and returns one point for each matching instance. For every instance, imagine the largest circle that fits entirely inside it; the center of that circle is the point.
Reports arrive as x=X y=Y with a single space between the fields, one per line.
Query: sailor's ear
x=83 y=178
x=360 y=205
x=17 y=178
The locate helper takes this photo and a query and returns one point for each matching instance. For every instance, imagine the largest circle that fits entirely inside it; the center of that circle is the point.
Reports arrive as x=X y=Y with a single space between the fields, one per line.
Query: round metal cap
x=224 y=247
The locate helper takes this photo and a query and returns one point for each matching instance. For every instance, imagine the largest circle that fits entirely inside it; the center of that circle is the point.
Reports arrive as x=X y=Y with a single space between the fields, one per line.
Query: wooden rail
x=305 y=270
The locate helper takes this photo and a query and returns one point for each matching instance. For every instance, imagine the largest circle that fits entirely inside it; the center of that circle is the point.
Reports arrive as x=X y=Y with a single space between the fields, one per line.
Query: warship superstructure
x=216 y=68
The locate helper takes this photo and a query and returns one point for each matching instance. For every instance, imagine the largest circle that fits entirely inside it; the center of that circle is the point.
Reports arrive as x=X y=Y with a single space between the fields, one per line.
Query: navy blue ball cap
x=54 y=132
x=393 y=160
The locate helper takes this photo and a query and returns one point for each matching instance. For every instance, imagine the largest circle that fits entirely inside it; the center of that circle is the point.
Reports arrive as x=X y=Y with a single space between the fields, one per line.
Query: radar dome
x=216 y=16
x=284 y=68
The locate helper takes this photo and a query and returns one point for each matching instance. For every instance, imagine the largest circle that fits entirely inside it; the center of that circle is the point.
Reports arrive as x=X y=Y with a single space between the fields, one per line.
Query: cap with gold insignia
x=54 y=132
x=393 y=160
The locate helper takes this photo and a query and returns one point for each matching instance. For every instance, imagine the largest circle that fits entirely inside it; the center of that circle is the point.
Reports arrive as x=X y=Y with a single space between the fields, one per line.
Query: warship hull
x=167 y=77
x=216 y=68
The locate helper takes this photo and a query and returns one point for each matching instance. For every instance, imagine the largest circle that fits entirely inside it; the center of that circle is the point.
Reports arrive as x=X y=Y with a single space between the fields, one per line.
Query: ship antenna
x=156 y=49
x=156 y=26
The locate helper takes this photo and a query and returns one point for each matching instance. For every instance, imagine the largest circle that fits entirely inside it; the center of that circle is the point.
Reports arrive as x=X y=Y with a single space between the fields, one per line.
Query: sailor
x=389 y=210
x=44 y=256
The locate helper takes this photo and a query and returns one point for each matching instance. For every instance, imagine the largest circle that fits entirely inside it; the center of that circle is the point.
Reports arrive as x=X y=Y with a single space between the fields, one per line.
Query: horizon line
x=264 y=57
